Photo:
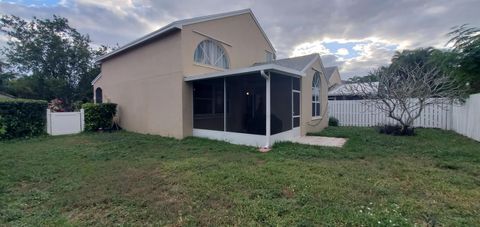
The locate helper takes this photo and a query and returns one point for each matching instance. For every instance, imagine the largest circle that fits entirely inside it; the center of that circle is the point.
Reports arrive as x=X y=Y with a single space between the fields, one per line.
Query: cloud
x=342 y=52
x=310 y=48
x=354 y=57
x=355 y=35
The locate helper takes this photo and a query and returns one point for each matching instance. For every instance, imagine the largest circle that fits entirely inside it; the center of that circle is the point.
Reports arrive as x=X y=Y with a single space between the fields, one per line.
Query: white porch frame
x=266 y=140
x=245 y=138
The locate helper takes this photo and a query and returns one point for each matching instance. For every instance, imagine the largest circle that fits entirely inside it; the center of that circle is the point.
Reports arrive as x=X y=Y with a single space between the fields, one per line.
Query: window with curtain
x=316 y=95
x=210 y=52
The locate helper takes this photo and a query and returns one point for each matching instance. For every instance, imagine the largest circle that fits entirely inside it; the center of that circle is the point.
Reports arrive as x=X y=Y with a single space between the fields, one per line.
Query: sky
x=357 y=36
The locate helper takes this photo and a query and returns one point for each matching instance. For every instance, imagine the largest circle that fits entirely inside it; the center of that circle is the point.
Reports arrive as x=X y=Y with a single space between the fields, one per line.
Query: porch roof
x=257 y=68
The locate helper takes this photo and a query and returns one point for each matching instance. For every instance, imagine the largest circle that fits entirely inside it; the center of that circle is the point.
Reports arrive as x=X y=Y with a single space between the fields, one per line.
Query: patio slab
x=321 y=141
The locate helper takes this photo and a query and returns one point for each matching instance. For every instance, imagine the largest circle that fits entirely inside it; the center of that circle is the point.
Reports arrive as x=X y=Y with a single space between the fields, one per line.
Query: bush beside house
x=22 y=118
x=99 y=116
x=332 y=121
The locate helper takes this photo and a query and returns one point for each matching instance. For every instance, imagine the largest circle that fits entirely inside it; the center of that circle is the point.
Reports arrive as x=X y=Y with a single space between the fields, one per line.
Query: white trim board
x=240 y=71
x=96 y=78
x=231 y=137
x=289 y=135
x=246 y=139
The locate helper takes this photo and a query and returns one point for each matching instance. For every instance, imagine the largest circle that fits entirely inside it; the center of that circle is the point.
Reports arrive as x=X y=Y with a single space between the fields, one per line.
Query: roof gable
x=301 y=63
x=329 y=71
x=177 y=25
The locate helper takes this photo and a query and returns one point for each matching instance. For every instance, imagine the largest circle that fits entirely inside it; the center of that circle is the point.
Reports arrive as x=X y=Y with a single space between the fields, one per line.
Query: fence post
x=49 y=122
x=82 y=120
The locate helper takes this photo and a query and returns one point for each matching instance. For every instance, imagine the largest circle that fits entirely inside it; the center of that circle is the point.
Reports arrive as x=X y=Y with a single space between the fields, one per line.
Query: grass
x=133 y=179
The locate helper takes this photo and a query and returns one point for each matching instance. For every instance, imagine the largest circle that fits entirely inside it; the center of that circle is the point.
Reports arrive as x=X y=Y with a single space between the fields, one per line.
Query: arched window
x=316 y=95
x=98 y=95
x=210 y=52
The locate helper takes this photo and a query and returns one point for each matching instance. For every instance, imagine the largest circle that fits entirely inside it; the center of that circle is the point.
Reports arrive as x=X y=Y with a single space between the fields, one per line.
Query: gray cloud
x=289 y=24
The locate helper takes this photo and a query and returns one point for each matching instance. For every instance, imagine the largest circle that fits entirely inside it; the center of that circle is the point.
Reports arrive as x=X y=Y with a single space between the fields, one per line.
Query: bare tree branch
x=405 y=91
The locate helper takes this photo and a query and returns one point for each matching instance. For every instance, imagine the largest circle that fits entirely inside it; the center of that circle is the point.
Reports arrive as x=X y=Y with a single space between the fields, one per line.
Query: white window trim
x=317 y=113
x=211 y=58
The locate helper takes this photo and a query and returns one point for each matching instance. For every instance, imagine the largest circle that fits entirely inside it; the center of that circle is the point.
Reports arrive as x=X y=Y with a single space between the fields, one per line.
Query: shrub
x=56 y=105
x=77 y=105
x=3 y=129
x=22 y=118
x=332 y=121
x=99 y=116
x=396 y=130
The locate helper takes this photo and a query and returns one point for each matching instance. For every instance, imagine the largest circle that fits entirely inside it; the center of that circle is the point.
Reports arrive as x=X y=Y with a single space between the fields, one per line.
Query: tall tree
x=466 y=43
x=371 y=77
x=49 y=58
x=420 y=56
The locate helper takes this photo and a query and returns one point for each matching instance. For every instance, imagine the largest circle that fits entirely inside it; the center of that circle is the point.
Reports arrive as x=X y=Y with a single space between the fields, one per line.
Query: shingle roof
x=329 y=71
x=5 y=95
x=298 y=63
x=353 y=89
x=177 y=25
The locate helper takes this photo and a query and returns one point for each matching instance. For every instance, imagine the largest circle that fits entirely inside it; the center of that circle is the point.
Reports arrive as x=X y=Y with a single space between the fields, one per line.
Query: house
x=216 y=77
x=333 y=76
x=351 y=91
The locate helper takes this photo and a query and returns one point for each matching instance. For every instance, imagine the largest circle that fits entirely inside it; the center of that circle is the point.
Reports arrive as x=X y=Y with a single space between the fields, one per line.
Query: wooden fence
x=464 y=119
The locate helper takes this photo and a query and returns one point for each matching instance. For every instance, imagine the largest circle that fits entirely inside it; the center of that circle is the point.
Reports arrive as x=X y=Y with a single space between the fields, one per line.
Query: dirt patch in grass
x=113 y=197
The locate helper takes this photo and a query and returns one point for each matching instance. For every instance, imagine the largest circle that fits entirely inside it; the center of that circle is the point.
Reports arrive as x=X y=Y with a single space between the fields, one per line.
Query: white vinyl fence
x=62 y=123
x=464 y=119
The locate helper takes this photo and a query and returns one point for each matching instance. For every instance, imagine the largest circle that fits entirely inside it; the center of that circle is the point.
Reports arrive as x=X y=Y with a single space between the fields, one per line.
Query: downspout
x=267 y=109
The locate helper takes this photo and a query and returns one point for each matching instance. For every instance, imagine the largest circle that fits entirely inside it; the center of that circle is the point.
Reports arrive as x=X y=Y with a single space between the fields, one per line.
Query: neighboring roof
x=265 y=67
x=5 y=95
x=301 y=63
x=329 y=71
x=352 y=89
x=177 y=25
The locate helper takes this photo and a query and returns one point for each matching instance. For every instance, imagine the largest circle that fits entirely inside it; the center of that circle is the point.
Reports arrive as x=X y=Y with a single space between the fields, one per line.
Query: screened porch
x=255 y=108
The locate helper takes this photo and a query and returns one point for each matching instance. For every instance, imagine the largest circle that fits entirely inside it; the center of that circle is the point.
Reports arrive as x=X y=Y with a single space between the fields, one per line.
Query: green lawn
x=127 y=178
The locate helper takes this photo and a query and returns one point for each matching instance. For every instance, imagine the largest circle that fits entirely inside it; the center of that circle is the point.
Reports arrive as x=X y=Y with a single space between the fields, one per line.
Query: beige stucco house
x=216 y=77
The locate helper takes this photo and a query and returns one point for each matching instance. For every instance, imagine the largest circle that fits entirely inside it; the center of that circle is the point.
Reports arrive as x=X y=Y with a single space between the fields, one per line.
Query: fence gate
x=62 y=123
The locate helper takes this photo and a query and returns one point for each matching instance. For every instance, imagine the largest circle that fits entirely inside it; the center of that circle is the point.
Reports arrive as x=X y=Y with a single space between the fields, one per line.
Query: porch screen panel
x=208 y=103
x=246 y=101
x=281 y=103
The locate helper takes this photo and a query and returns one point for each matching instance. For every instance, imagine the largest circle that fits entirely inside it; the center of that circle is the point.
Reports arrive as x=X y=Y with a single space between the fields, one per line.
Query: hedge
x=21 y=118
x=99 y=116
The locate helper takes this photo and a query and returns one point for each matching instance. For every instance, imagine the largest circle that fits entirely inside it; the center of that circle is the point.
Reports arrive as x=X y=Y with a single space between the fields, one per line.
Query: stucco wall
x=307 y=122
x=147 y=84
x=239 y=36
x=243 y=42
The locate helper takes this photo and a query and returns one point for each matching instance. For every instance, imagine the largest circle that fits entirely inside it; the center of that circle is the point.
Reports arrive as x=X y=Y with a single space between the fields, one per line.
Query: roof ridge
x=178 y=24
x=235 y=12
x=297 y=57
